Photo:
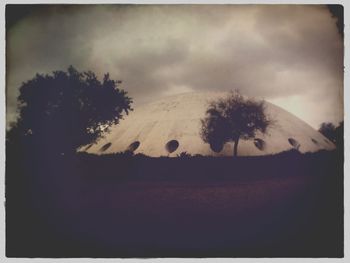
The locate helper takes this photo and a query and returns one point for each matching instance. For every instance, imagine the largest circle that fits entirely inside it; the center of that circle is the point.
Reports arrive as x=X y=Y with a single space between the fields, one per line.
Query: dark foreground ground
x=289 y=205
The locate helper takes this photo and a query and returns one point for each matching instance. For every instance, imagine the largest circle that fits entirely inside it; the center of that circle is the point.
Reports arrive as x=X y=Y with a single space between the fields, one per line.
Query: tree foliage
x=68 y=109
x=233 y=118
x=328 y=130
x=333 y=133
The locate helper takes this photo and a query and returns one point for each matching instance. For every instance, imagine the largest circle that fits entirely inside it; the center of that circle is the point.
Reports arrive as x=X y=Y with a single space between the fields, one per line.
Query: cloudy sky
x=289 y=55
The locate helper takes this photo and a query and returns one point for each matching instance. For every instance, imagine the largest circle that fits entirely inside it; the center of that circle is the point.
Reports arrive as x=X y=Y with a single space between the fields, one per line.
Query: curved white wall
x=178 y=118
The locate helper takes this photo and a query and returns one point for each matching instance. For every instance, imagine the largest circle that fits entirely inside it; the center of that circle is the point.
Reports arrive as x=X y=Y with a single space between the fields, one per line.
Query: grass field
x=288 y=205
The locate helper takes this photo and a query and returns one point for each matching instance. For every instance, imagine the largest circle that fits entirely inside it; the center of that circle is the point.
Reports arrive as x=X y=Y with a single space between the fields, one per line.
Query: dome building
x=172 y=125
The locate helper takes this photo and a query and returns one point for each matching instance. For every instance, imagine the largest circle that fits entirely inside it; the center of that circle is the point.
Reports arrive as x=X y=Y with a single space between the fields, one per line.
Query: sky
x=290 y=55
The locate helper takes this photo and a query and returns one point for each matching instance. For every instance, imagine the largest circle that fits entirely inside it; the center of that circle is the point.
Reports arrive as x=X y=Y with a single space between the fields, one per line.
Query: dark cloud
x=289 y=54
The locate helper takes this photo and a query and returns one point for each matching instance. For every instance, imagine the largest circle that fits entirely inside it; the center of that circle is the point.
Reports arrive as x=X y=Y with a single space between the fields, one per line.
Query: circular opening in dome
x=294 y=143
x=216 y=147
x=171 y=146
x=314 y=141
x=260 y=144
x=133 y=146
x=105 y=147
x=88 y=147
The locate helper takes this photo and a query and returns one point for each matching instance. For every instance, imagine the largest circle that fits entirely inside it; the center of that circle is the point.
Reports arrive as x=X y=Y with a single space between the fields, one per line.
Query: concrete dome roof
x=172 y=125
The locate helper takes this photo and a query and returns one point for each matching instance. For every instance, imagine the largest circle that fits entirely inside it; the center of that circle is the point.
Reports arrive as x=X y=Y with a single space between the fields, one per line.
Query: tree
x=333 y=133
x=339 y=136
x=233 y=118
x=328 y=130
x=65 y=110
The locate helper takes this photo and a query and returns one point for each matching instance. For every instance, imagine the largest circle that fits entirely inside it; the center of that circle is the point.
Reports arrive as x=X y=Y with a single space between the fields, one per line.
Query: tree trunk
x=235 y=147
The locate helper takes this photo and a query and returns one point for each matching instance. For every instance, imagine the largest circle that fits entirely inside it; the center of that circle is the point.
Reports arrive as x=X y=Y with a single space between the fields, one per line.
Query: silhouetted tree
x=233 y=118
x=65 y=110
x=328 y=130
x=339 y=135
x=338 y=12
x=333 y=133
